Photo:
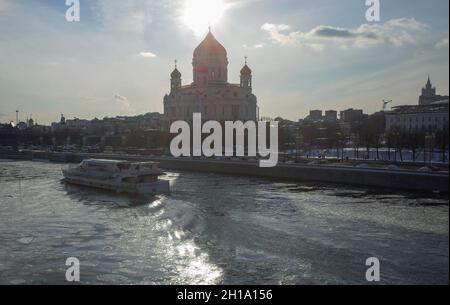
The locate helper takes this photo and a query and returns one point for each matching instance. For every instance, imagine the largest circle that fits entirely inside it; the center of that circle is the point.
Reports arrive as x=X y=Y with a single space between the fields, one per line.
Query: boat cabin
x=119 y=166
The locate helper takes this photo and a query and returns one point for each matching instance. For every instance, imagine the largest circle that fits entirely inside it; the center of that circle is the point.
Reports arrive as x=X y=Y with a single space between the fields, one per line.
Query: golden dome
x=210 y=46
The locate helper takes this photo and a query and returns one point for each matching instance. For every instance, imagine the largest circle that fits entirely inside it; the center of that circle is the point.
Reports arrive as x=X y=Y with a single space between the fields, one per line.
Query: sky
x=305 y=55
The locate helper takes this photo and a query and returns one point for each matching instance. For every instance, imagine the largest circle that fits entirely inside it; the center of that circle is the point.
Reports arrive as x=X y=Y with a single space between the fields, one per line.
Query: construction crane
x=385 y=103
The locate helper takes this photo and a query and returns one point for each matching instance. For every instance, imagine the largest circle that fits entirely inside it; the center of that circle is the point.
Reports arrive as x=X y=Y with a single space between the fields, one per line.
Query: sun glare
x=198 y=15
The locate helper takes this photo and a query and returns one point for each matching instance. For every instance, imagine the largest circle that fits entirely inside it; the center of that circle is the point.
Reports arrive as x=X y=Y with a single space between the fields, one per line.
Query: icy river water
x=216 y=229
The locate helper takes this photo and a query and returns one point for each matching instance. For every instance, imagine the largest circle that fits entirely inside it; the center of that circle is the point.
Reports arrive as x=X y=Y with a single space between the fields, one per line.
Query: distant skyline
x=305 y=55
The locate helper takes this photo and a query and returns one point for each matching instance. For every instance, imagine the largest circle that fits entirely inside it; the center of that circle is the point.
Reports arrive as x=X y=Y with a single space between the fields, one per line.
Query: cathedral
x=210 y=93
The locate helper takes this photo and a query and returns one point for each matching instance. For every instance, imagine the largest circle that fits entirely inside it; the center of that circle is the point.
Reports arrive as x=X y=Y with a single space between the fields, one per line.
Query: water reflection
x=191 y=264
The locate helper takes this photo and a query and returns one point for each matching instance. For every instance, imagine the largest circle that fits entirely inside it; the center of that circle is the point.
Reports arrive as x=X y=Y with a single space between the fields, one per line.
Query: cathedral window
x=235 y=111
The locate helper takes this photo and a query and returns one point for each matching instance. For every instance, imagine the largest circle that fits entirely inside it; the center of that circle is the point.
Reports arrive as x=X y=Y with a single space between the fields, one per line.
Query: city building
x=116 y=125
x=75 y=124
x=413 y=118
x=351 y=115
x=285 y=123
x=59 y=126
x=330 y=116
x=315 y=116
x=210 y=93
x=431 y=115
x=22 y=125
x=429 y=95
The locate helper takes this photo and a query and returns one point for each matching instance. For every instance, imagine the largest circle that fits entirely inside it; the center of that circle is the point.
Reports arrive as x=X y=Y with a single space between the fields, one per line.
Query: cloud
x=396 y=32
x=123 y=102
x=255 y=46
x=442 y=44
x=278 y=33
x=147 y=54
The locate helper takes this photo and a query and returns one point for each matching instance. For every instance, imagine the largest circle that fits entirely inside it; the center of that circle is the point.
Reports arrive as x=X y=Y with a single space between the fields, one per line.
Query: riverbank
x=362 y=175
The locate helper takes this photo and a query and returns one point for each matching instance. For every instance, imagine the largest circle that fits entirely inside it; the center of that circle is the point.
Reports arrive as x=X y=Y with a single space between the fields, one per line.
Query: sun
x=198 y=15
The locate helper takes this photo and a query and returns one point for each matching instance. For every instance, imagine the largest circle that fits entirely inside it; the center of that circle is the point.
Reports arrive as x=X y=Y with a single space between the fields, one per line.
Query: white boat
x=119 y=176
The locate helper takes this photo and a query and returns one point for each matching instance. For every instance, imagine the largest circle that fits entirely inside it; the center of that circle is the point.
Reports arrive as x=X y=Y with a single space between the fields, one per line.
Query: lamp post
x=429 y=143
x=338 y=145
x=298 y=140
x=432 y=141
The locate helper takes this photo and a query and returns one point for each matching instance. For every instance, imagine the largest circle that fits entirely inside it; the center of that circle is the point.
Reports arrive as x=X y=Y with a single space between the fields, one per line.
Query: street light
x=298 y=140
x=429 y=142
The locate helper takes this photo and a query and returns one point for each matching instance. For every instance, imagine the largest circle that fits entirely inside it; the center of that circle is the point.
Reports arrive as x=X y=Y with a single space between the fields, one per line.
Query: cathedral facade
x=210 y=93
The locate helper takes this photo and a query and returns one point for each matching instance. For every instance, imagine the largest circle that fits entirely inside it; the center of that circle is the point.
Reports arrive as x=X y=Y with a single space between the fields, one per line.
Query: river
x=216 y=229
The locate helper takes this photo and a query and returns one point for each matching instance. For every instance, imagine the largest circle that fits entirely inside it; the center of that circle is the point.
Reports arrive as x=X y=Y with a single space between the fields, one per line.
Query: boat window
x=123 y=166
x=96 y=167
